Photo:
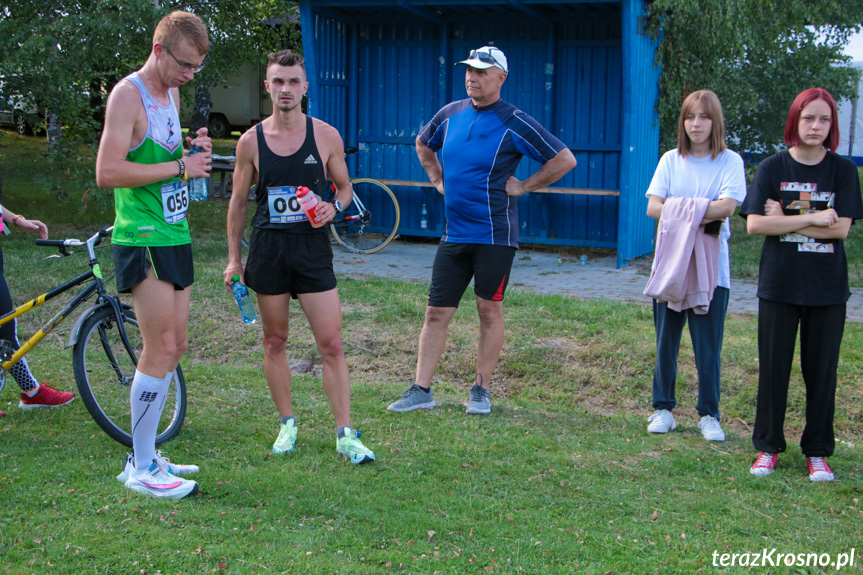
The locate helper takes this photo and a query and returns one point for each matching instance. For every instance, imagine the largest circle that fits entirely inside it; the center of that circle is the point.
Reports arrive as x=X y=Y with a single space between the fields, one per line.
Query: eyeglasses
x=486 y=57
x=184 y=66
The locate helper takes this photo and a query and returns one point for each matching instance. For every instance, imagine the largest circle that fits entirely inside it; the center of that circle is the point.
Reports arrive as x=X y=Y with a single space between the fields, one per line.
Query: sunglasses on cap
x=486 y=57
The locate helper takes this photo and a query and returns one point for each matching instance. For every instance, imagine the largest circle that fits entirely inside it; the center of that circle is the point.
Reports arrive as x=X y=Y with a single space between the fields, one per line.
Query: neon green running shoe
x=287 y=437
x=350 y=447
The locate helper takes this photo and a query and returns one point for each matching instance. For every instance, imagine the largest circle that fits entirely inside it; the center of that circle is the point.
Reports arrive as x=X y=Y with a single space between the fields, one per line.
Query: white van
x=240 y=105
x=17 y=112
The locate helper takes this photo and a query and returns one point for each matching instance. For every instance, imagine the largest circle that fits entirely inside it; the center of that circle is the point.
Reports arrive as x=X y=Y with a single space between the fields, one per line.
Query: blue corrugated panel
x=384 y=69
x=641 y=138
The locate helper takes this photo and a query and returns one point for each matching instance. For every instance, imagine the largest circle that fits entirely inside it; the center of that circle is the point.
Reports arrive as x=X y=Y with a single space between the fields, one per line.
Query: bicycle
x=106 y=344
x=371 y=220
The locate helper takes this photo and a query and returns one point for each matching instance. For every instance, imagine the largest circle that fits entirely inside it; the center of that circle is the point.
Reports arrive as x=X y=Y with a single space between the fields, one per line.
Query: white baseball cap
x=486 y=57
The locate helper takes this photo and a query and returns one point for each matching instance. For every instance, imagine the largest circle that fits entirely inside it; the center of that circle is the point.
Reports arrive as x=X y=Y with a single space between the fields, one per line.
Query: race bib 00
x=284 y=206
x=175 y=201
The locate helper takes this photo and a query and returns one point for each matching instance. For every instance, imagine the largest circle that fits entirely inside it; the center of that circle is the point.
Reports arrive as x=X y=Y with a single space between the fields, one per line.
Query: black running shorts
x=456 y=264
x=172 y=264
x=280 y=262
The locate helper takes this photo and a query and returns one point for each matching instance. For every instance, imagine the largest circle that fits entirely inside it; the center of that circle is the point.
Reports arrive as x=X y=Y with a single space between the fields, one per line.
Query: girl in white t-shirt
x=700 y=167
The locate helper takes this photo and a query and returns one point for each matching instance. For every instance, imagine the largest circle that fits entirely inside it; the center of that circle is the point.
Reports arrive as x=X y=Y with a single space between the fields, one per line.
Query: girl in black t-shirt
x=803 y=201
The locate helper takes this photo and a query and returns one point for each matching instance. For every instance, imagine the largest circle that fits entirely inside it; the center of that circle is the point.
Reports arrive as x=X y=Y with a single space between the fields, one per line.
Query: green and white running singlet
x=155 y=214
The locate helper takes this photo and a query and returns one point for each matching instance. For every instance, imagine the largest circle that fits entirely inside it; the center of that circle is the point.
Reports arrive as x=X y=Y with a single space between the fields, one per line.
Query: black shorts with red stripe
x=456 y=264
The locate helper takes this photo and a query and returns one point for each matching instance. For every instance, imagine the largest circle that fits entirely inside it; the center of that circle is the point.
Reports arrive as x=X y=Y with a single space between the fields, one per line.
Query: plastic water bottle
x=309 y=203
x=197 y=186
x=424 y=218
x=244 y=302
x=583 y=260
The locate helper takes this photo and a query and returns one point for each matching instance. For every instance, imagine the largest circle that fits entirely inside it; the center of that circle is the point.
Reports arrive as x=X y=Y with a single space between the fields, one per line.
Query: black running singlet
x=278 y=178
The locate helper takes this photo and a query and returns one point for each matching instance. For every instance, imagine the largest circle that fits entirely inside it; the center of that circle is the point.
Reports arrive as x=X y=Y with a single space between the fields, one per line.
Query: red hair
x=803 y=99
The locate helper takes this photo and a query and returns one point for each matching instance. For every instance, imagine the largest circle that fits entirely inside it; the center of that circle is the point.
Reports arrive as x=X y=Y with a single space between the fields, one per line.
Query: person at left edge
x=141 y=157
x=33 y=394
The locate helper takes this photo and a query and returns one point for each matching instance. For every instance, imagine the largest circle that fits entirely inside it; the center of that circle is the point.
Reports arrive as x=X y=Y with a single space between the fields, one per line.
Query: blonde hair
x=179 y=24
x=710 y=103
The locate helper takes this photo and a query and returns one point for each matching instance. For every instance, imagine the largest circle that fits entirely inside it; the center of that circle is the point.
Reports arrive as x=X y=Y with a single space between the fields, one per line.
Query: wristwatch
x=338 y=206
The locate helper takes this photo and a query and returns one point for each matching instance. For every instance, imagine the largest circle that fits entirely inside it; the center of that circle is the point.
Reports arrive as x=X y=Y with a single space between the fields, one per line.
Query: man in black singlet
x=288 y=257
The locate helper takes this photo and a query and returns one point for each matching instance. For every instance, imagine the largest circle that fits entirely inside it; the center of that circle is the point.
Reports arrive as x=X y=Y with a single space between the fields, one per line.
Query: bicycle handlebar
x=54 y=243
x=92 y=241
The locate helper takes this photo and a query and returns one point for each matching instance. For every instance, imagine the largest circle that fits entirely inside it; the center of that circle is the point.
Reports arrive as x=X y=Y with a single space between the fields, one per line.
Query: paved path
x=546 y=273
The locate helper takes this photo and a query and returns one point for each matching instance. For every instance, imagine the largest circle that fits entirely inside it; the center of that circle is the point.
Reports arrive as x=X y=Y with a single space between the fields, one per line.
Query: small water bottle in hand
x=244 y=302
x=309 y=203
x=197 y=186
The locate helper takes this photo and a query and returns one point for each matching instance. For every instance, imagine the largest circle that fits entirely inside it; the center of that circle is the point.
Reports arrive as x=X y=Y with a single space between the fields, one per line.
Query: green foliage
x=757 y=55
x=66 y=56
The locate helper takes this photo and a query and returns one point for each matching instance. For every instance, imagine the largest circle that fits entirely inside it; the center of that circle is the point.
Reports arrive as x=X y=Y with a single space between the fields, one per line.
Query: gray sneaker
x=479 y=400
x=413 y=398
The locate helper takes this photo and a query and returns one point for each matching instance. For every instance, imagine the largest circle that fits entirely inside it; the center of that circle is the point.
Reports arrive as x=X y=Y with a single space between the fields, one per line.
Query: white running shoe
x=164 y=463
x=710 y=429
x=154 y=481
x=662 y=421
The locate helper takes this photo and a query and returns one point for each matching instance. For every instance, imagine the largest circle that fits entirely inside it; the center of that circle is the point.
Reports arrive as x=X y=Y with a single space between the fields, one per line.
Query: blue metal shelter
x=379 y=70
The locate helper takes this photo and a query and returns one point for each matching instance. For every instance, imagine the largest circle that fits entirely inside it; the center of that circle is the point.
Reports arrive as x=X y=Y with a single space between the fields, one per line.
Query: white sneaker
x=155 y=482
x=662 y=421
x=710 y=429
x=164 y=463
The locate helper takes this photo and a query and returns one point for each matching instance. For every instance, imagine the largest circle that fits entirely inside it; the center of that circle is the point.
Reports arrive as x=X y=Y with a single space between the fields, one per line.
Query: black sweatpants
x=821 y=330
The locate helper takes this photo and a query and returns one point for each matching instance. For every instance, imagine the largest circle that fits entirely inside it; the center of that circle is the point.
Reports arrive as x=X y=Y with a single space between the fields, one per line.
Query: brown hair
x=179 y=24
x=713 y=109
x=286 y=58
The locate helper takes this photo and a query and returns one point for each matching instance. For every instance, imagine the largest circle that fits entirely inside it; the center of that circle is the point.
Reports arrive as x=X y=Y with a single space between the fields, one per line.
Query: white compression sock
x=147 y=397
x=166 y=383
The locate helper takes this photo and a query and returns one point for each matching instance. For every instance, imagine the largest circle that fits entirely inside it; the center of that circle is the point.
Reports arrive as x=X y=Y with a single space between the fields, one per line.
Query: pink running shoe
x=47 y=397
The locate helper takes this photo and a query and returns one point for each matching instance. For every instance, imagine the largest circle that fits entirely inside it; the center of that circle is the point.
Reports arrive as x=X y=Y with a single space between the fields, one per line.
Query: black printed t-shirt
x=795 y=269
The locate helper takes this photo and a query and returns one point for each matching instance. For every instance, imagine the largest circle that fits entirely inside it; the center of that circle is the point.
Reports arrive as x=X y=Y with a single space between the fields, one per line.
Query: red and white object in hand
x=309 y=204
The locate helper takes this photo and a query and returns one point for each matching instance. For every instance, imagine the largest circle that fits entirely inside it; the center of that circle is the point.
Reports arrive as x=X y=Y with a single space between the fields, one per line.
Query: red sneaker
x=765 y=464
x=819 y=470
x=47 y=397
x=2 y=413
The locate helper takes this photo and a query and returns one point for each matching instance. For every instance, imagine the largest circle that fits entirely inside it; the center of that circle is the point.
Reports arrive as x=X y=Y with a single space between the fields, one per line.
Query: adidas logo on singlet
x=310 y=160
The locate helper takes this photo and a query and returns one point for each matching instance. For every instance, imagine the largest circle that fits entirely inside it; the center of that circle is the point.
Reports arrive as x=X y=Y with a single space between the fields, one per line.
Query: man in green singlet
x=141 y=157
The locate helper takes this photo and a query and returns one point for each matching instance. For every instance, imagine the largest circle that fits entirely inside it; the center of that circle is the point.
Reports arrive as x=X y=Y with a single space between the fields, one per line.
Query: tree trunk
x=53 y=129
x=201 y=116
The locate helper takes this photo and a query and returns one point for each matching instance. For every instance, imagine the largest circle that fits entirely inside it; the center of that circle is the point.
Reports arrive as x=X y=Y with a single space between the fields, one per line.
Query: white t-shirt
x=689 y=177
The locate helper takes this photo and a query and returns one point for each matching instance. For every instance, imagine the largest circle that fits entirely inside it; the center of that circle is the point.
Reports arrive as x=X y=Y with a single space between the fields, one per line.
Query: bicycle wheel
x=371 y=220
x=104 y=368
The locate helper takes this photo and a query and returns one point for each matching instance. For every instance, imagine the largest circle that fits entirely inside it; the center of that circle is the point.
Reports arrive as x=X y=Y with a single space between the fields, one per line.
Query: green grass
x=560 y=477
